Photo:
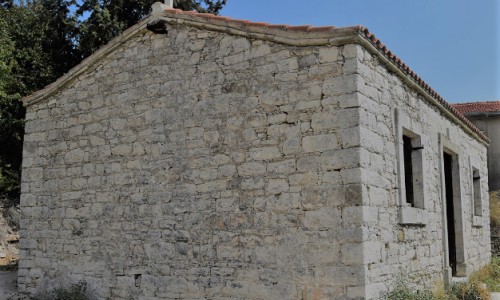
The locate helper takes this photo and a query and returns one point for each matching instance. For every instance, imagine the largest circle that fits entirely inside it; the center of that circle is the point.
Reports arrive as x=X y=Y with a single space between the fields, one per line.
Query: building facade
x=486 y=117
x=211 y=158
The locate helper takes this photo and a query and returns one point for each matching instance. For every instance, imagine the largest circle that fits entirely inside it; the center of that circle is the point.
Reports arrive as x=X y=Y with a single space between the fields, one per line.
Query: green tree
x=60 y=35
x=108 y=18
x=36 y=47
x=11 y=125
x=40 y=40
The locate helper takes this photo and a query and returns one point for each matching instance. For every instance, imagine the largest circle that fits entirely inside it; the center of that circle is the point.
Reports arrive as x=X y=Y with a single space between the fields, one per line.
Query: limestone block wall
x=412 y=252
x=198 y=164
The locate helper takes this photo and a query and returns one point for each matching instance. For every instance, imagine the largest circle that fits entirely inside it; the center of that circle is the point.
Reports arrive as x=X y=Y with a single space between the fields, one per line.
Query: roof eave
x=283 y=34
x=482 y=114
x=428 y=93
x=84 y=65
x=333 y=36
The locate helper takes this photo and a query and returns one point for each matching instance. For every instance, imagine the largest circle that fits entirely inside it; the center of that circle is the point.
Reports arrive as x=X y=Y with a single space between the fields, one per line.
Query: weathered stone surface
x=199 y=164
x=320 y=143
x=413 y=248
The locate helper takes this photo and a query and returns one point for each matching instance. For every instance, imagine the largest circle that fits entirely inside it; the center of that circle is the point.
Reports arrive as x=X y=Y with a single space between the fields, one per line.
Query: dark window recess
x=476 y=185
x=407 y=149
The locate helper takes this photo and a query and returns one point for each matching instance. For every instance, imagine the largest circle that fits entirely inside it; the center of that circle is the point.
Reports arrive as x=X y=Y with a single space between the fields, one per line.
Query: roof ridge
x=286 y=27
x=478 y=107
x=278 y=33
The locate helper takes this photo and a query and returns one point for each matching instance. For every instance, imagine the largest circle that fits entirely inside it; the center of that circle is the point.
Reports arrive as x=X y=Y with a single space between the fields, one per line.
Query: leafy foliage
x=468 y=291
x=479 y=286
x=40 y=40
x=75 y=291
x=489 y=275
x=11 y=115
x=402 y=291
x=109 y=18
x=33 y=53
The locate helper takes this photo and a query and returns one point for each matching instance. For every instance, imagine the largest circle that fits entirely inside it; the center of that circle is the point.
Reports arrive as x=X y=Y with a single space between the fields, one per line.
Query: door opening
x=450 y=215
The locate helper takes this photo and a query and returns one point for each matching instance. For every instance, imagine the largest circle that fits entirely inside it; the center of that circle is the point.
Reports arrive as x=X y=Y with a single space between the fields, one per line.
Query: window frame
x=447 y=146
x=477 y=203
x=411 y=213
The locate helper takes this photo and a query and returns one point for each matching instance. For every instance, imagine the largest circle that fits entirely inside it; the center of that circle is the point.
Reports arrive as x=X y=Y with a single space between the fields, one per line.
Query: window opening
x=407 y=150
x=476 y=190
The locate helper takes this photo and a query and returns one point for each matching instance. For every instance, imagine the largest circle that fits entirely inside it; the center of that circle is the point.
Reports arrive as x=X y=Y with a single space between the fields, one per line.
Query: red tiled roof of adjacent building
x=477 y=107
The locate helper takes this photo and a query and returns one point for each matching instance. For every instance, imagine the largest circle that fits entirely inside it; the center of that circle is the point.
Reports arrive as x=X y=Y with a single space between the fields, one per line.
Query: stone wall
x=414 y=252
x=196 y=165
x=199 y=164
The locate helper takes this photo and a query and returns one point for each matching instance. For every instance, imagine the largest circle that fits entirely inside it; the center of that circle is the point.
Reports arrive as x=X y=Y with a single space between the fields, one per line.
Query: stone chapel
x=201 y=157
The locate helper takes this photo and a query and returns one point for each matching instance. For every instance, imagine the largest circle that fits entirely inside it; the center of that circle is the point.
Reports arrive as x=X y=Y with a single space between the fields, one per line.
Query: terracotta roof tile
x=220 y=18
x=277 y=26
x=303 y=28
x=363 y=32
x=477 y=107
x=258 y=24
x=178 y=11
x=189 y=12
x=321 y=29
x=240 y=21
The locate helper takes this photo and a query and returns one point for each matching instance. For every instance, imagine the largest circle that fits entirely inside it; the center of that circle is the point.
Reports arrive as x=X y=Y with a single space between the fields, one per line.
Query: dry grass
x=489 y=275
x=479 y=286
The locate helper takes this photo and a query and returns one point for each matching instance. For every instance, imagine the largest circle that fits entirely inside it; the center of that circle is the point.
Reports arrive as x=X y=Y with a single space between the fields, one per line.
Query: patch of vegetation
x=489 y=275
x=73 y=292
x=481 y=283
x=402 y=291
x=468 y=291
x=495 y=208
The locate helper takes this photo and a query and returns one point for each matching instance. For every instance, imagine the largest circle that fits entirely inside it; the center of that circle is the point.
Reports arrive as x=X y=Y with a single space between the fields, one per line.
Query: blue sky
x=454 y=45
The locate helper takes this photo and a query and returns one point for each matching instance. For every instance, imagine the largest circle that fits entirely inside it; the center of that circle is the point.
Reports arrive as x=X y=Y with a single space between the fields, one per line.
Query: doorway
x=450 y=212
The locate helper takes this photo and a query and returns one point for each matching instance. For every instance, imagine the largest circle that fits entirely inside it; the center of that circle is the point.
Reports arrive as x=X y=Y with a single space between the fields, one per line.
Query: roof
x=478 y=107
x=304 y=35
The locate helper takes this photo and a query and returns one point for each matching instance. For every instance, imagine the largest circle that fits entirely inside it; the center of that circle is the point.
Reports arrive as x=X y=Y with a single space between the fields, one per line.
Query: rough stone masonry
x=232 y=160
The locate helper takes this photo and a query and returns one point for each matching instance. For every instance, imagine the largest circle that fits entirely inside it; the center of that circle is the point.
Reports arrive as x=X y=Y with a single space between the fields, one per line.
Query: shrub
x=481 y=282
x=73 y=292
x=489 y=275
x=469 y=291
x=402 y=291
